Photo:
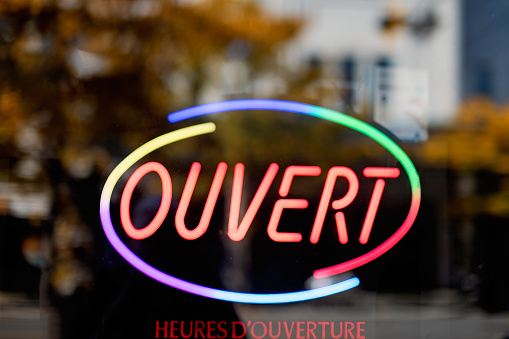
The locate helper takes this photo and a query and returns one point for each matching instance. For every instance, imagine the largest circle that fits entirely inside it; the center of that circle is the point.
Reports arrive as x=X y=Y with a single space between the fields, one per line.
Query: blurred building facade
x=353 y=37
x=485 y=51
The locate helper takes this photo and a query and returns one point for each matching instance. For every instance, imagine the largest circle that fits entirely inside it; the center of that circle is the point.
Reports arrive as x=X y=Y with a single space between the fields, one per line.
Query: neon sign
x=237 y=228
x=237 y=232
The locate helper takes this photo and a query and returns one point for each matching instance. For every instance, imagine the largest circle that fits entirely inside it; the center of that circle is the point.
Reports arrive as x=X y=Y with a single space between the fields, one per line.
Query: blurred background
x=85 y=82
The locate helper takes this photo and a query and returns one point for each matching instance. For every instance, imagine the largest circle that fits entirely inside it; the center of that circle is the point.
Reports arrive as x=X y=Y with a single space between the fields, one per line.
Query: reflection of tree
x=134 y=60
x=475 y=153
x=265 y=137
x=478 y=143
x=86 y=80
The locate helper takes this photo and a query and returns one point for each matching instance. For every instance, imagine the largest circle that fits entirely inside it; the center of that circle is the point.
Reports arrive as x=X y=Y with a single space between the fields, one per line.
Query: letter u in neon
x=203 y=225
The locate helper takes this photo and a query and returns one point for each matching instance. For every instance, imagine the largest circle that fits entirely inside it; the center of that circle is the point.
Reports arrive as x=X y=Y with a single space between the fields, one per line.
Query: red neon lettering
x=237 y=232
x=293 y=171
x=281 y=204
x=341 y=225
x=164 y=207
x=334 y=173
x=209 y=204
x=372 y=209
x=379 y=172
x=165 y=329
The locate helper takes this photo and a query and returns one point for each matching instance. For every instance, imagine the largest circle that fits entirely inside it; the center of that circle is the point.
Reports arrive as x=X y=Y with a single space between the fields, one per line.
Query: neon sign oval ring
x=205 y=128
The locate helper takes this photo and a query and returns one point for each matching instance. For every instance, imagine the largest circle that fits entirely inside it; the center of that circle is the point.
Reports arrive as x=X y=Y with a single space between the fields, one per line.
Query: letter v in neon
x=237 y=232
x=217 y=182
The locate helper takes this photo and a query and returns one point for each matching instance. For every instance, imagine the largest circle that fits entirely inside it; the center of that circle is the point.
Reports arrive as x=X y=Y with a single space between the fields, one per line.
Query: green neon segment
x=376 y=135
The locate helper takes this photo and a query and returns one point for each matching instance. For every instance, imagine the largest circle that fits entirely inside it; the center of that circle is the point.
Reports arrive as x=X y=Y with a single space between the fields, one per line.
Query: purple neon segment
x=170 y=280
x=237 y=105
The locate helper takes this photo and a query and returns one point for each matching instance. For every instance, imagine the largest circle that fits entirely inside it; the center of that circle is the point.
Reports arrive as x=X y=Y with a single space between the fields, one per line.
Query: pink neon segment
x=381 y=172
x=380 y=250
x=217 y=182
x=372 y=209
x=164 y=207
x=237 y=232
x=334 y=173
x=291 y=172
x=279 y=206
x=341 y=224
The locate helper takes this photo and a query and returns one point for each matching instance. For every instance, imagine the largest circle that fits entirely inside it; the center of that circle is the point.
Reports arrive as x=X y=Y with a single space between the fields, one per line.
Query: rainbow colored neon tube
x=206 y=128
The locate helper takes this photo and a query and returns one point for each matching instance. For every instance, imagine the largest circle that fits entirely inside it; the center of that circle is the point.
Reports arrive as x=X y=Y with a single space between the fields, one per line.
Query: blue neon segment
x=237 y=105
x=280 y=298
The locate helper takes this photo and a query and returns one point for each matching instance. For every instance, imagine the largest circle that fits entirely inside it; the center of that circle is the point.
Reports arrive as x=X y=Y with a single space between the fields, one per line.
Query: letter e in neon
x=281 y=204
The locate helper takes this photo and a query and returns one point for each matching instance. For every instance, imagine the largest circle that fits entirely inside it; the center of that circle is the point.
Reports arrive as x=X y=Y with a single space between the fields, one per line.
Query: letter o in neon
x=164 y=207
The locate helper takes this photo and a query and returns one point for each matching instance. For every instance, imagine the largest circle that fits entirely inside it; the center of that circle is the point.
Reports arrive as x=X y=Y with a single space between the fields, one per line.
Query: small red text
x=260 y=329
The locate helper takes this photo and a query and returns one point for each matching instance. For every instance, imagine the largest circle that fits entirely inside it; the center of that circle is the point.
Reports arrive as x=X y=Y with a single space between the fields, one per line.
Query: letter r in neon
x=330 y=181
